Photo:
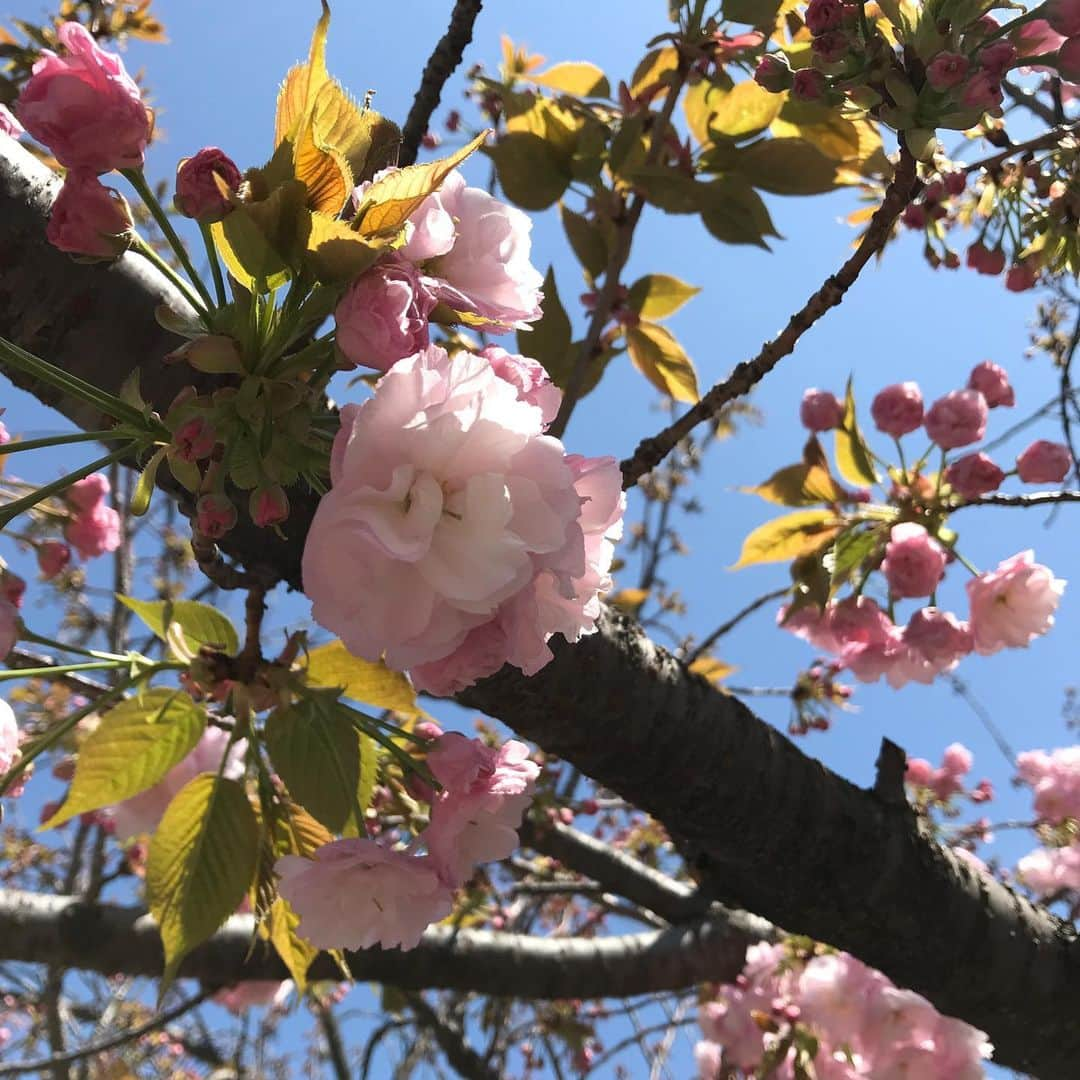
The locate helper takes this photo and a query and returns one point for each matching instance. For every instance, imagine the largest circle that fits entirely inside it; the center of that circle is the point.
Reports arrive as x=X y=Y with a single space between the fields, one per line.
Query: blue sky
x=216 y=85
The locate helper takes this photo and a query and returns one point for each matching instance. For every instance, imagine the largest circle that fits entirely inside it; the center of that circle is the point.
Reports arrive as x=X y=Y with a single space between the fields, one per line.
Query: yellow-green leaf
x=853 y=457
x=745 y=110
x=662 y=360
x=261 y=241
x=798 y=485
x=532 y=173
x=302 y=83
x=337 y=252
x=789 y=537
x=579 y=79
x=200 y=864
x=656 y=296
x=787 y=167
x=699 y=104
x=201 y=624
x=132 y=748
x=389 y=201
x=333 y=666
x=549 y=339
x=655 y=68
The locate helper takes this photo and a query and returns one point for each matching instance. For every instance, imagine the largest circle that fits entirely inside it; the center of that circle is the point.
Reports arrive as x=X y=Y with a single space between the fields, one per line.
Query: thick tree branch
x=651 y=451
x=440 y=66
x=107 y=938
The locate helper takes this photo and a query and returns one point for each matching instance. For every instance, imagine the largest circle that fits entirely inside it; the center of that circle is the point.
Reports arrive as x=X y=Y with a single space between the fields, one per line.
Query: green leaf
x=587 y=241
x=549 y=339
x=144 y=489
x=699 y=104
x=853 y=457
x=200 y=623
x=579 y=79
x=260 y=241
x=852 y=548
x=734 y=213
x=531 y=170
x=787 y=167
x=662 y=360
x=789 y=537
x=760 y=13
x=656 y=296
x=668 y=189
x=133 y=747
x=798 y=485
x=336 y=252
x=200 y=864
x=333 y=666
x=743 y=111
x=319 y=754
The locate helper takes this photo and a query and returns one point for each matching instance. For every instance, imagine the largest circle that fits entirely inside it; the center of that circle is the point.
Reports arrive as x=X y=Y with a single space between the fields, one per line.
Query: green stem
x=13 y=509
x=903 y=463
x=55 y=440
x=215 y=265
x=147 y=252
x=964 y=563
x=50 y=643
x=60 y=669
x=405 y=760
x=138 y=182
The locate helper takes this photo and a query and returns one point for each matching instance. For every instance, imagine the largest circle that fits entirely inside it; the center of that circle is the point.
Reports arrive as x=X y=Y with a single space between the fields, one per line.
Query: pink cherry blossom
x=808 y=84
x=811 y=624
x=355 y=894
x=947 y=70
x=1036 y=37
x=914 y=561
x=821 y=410
x=1044 y=462
x=528 y=376
x=974 y=475
x=431 y=229
x=86 y=493
x=938 y=638
x=243 y=996
x=383 y=316
x=708 y=1056
x=9 y=737
x=1023 y=275
x=1068 y=59
x=983 y=91
x=94 y=532
x=53 y=557
x=992 y=381
x=198 y=195
x=1047 y=871
x=89 y=219
x=141 y=813
x=447 y=503
x=824 y=15
x=1055 y=779
x=997 y=57
x=469 y=767
x=984 y=261
x=215 y=515
x=85 y=107
x=487 y=270
x=1014 y=604
x=898 y=409
x=957 y=419
x=8 y=124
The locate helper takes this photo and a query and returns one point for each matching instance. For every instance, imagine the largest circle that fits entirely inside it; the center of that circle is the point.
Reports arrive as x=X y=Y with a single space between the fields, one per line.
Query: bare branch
x=1024 y=502
x=463 y=1058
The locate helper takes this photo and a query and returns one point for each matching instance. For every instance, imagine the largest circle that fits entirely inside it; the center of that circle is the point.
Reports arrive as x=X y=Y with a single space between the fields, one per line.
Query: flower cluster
x=468 y=536
x=947 y=780
x=839 y=1020
x=1008 y=607
x=94 y=526
x=1054 y=777
x=356 y=893
x=463 y=248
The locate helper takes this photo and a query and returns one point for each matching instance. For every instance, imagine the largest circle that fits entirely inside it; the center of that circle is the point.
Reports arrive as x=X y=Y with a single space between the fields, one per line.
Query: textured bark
x=107 y=938
x=767 y=828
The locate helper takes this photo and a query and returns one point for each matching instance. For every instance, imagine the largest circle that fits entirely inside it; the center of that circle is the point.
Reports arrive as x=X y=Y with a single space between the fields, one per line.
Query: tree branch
x=651 y=451
x=1025 y=502
x=440 y=66
x=463 y=1058
x=105 y=937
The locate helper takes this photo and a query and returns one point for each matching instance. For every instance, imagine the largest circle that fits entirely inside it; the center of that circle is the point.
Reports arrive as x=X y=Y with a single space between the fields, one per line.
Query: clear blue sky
x=216 y=84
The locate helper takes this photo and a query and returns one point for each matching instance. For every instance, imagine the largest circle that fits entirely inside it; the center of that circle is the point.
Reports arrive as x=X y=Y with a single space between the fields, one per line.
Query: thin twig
x=451 y=1039
x=651 y=451
x=60 y=1061
x=727 y=627
x=961 y=689
x=1036 y=498
x=440 y=66
x=1041 y=142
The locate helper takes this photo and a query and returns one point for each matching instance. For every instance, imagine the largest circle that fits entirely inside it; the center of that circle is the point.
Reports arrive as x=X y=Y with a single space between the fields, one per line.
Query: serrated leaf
x=587 y=240
x=655 y=296
x=296 y=952
x=133 y=747
x=789 y=537
x=531 y=172
x=200 y=864
x=302 y=83
x=549 y=339
x=318 y=752
x=389 y=201
x=580 y=79
x=853 y=458
x=200 y=623
x=798 y=485
x=662 y=360
x=333 y=666
x=787 y=167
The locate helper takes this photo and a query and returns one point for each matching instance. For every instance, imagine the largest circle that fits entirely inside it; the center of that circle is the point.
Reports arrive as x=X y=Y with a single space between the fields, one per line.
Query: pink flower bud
x=983 y=792
x=808 y=84
x=5 y=435
x=918 y=772
x=1022 y=276
x=53 y=557
x=821 y=410
x=773 y=73
x=1063 y=16
x=983 y=92
x=984 y=261
x=85 y=107
x=824 y=15
x=898 y=409
x=974 y=475
x=957 y=419
x=831 y=47
x=947 y=70
x=269 y=506
x=914 y=561
x=86 y=493
x=992 y=381
x=914 y=216
x=1044 y=463
x=89 y=219
x=198 y=194
x=215 y=515
x=957 y=759
x=194 y=439
x=997 y=57
x=955 y=182
x=94 y=532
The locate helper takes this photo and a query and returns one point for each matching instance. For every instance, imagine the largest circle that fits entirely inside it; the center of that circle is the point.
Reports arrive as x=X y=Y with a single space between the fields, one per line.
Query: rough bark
x=767 y=828
x=108 y=938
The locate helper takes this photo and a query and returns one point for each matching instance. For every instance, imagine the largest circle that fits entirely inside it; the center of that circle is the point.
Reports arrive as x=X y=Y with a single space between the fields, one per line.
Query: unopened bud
x=215 y=515
x=773 y=73
x=269 y=506
x=215 y=354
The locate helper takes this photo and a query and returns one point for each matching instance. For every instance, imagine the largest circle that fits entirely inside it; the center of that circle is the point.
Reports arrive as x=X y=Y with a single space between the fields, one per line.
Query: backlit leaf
x=745 y=110
x=531 y=172
x=656 y=296
x=653 y=71
x=587 y=240
x=662 y=360
x=332 y=665
x=787 y=167
x=734 y=212
x=798 y=485
x=549 y=339
x=853 y=457
x=579 y=79
x=709 y=667
x=201 y=623
x=336 y=252
x=789 y=537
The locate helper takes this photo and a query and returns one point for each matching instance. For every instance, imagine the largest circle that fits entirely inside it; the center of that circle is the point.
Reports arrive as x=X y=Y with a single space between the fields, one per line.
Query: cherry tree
x=320 y=477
